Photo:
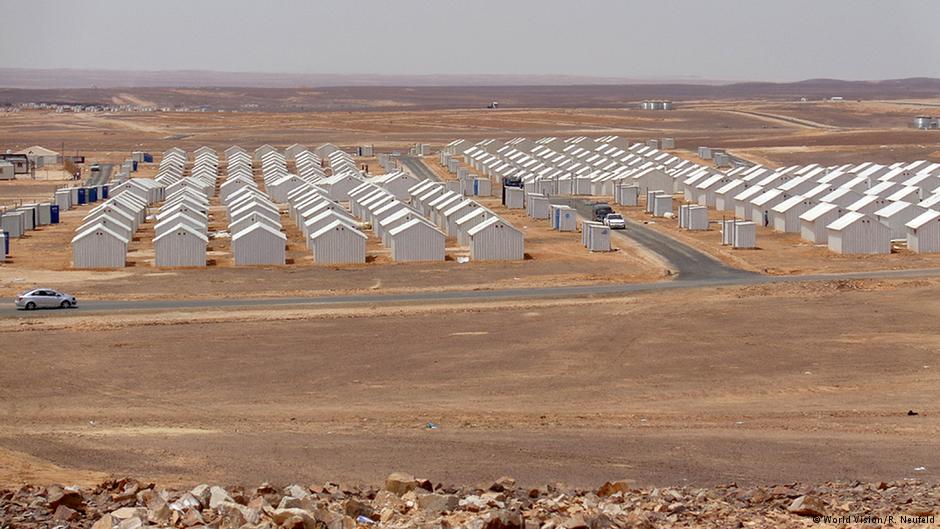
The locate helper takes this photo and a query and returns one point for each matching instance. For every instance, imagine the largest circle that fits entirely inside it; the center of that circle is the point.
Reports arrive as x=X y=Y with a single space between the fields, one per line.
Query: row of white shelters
x=488 y=236
x=102 y=239
x=331 y=232
x=181 y=233
x=254 y=219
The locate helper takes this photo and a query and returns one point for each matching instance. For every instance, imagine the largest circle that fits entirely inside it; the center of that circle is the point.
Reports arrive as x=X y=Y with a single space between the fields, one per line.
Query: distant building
x=926 y=122
x=656 y=105
x=20 y=162
x=6 y=170
x=41 y=156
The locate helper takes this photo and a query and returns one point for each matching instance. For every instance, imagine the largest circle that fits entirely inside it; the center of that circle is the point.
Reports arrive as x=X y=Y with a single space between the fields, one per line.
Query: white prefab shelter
x=338 y=243
x=515 y=197
x=564 y=218
x=482 y=187
x=662 y=204
x=626 y=195
x=339 y=186
x=181 y=245
x=744 y=235
x=496 y=240
x=813 y=223
x=857 y=233
x=470 y=220
x=259 y=244
x=785 y=216
x=417 y=240
x=14 y=223
x=896 y=215
x=538 y=206
x=739 y=233
x=63 y=199
x=923 y=232
x=743 y=207
x=596 y=236
x=761 y=205
x=693 y=217
x=99 y=246
x=280 y=188
x=187 y=219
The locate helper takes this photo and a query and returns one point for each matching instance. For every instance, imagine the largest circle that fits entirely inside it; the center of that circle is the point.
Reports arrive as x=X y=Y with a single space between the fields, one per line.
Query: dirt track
x=758 y=384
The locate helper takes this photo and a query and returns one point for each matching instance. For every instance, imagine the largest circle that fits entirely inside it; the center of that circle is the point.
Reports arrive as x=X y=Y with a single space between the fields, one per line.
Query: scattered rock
x=217 y=495
x=399 y=483
x=355 y=508
x=807 y=506
x=503 y=484
x=405 y=502
x=612 y=487
x=65 y=514
x=105 y=522
x=503 y=519
x=438 y=503
x=71 y=498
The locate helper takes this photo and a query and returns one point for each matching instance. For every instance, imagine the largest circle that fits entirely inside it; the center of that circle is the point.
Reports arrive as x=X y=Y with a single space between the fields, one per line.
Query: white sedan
x=45 y=298
x=615 y=221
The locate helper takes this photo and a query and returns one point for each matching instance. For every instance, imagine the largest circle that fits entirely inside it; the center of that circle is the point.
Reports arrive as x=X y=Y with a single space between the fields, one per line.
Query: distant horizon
x=734 y=40
x=108 y=78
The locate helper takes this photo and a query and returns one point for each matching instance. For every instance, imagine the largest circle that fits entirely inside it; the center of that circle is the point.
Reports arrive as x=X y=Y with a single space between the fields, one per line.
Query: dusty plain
x=755 y=384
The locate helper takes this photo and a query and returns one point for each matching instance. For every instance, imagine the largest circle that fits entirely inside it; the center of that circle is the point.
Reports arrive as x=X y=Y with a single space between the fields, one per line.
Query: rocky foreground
x=408 y=502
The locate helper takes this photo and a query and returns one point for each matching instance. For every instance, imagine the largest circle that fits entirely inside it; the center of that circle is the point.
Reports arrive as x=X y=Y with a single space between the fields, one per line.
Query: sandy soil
x=693 y=387
x=768 y=384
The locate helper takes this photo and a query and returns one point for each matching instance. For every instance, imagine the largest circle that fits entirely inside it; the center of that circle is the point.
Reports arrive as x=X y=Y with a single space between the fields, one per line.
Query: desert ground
x=804 y=382
x=796 y=381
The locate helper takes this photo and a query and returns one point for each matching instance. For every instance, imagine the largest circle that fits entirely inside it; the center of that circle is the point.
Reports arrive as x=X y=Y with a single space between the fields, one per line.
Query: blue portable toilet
x=81 y=196
x=6 y=243
x=92 y=194
x=53 y=214
x=104 y=191
x=134 y=166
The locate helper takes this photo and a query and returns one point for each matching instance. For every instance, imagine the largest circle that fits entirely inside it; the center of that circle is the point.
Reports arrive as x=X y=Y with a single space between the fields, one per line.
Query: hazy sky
x=715 y=39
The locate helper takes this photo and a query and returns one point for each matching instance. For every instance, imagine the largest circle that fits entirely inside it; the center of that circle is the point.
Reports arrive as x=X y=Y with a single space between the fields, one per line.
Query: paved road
x=417 y=167
x=688 y=263
x=7 y=310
